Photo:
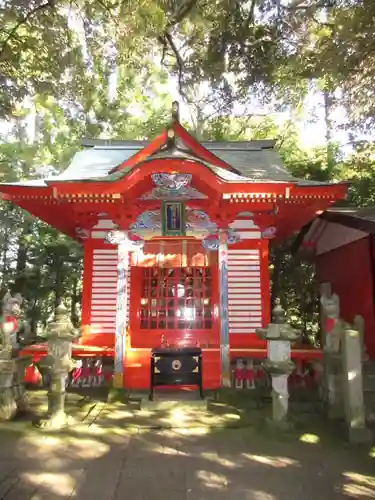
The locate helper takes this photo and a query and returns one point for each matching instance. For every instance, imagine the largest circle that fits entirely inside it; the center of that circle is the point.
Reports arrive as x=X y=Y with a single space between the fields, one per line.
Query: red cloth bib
x=330 y=323
x=13 y=321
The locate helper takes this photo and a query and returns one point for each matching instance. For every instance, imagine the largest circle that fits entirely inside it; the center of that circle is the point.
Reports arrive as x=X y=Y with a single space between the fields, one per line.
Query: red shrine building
x=176 y=235
x=341 y=241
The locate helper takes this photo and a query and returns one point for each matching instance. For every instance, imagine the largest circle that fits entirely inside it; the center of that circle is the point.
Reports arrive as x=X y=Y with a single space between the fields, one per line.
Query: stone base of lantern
x=57 y=422
x=57 y=418
x=8 y=405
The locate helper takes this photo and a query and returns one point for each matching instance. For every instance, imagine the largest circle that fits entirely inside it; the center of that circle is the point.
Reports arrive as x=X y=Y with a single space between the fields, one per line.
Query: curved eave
x=8 y=191
x=126 y=182
x=130 y=182
x=43 y=207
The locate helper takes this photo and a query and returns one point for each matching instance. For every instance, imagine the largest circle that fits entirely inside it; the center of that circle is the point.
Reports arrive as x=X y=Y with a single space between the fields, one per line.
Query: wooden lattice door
x=176 y=299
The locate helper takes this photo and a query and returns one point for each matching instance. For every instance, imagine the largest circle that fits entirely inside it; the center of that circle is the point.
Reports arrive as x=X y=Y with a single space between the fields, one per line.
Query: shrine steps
x=168 y=399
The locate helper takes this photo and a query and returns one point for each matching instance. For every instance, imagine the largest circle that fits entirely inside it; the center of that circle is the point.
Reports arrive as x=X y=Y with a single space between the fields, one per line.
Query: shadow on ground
x=118 y=455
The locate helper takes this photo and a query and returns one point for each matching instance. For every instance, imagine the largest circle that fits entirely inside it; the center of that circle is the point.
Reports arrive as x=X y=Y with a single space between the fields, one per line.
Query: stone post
x=355 y=414
x=60 y=336
x=279 y=365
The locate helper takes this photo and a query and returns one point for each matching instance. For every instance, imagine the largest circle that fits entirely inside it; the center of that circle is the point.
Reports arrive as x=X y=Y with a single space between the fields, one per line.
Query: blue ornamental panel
x=212 y=241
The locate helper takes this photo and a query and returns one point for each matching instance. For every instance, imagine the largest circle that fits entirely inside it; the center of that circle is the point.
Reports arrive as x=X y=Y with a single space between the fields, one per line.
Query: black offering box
x=171 y=366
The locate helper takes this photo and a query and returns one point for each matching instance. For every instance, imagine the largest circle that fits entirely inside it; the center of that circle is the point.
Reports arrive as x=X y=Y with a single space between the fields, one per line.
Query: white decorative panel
x=244 y=290
x=104 y=289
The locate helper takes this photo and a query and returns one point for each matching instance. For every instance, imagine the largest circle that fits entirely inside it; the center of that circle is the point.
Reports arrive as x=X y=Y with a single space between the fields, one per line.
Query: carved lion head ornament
x=331 y=305
x=9 y=325
x=12 y=305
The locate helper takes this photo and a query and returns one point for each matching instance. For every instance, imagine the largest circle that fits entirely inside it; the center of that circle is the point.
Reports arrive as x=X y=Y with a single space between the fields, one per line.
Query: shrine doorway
x=173 y=303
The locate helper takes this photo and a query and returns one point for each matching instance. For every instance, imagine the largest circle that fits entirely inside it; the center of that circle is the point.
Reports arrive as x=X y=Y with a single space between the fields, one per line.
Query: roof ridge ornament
x=171 y=139
x=175 y=111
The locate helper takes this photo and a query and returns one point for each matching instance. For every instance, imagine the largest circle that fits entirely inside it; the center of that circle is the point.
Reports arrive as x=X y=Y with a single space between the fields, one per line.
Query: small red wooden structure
x=204 y=213
x=342 y=243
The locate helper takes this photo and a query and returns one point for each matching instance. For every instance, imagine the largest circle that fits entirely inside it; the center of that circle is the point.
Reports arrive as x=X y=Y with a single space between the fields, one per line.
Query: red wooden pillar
x=265 y=282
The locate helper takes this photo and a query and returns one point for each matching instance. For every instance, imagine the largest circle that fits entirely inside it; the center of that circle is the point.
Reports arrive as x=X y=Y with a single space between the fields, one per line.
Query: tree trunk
x=327 y=118
x=21 y=262
x=5 y=267
x=275 y=276
x=59 y=280
x=74 y=303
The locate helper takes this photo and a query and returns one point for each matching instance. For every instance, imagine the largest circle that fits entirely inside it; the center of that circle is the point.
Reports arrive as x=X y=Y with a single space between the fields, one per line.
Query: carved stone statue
x=9 y=322
x=16 y=330
x=332 y=325
x=12 y=366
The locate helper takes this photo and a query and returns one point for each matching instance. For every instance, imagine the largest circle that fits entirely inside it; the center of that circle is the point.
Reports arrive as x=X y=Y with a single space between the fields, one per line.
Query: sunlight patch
x=358 y=491
x=360 y=478
x=173 y=451
x=118 y=415
x=232 y=416
x=213 y=457
x=58 y=484
x=145 y=413
x=272 y=461
x=310 y=438
x=88 y=448
x=262 y=495
x=372 y=452
x=193 y=431
x=212 y=480
x=177 y=416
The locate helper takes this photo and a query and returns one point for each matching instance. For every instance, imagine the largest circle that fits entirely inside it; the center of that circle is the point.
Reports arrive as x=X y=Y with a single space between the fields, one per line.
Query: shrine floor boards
x=106 y=459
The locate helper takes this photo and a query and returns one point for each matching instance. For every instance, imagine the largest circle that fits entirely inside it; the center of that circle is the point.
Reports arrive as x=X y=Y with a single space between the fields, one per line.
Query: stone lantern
x=279 y=336
x=58 y=363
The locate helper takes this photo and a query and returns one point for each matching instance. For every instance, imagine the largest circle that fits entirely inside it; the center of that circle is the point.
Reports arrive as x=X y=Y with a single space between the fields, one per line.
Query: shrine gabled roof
x=251 y=161
x=360 y=219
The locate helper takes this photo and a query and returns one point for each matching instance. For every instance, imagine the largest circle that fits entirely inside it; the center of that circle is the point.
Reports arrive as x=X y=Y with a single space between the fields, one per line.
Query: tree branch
x=320 y=5
x=250 y=17
x=182 y=13
x=12 y=33
x=166 y=40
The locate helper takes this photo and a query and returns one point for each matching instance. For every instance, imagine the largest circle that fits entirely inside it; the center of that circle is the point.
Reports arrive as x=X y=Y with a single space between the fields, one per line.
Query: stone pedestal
x=279 y=336
x=333 y=383
x=8 y=405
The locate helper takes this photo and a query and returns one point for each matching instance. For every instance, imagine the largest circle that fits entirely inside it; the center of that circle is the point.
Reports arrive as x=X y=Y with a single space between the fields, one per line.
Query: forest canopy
x=240 y=69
